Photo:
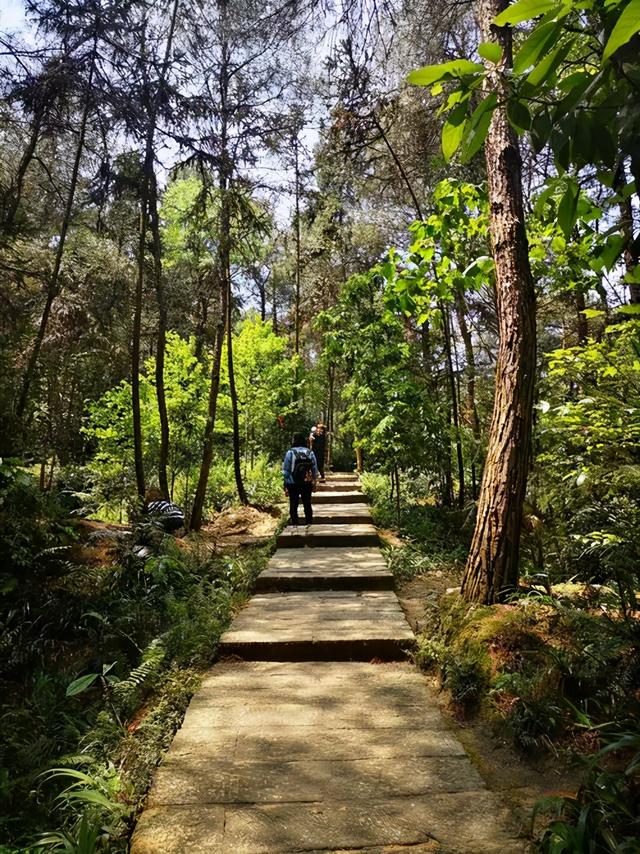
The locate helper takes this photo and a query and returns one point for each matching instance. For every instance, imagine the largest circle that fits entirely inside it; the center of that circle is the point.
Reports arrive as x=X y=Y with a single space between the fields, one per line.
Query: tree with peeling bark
x=493 y=561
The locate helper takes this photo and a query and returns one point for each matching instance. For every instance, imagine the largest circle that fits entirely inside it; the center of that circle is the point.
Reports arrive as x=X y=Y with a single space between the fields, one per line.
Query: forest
x=223 y=221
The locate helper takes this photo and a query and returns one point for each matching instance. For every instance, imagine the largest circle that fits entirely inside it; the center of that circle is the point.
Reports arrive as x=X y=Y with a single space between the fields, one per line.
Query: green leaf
x=592 y=313
x=490 y=51
x=547 y=66
x=519 y=116
x=631 y=309
x=477 y=126
x=484 y=264
x=535 y=45
x=568 y=208
x=524 y=10
x=81 y=684
x=627 y=25
x=540 y=130
x=453 y=131
x=444 y=71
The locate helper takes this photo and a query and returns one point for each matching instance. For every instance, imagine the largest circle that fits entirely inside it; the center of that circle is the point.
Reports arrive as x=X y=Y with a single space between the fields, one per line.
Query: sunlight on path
x=323 y=737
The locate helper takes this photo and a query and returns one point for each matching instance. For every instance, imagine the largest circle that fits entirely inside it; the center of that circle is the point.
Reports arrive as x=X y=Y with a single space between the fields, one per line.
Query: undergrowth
x=557 y=667
x=98 y=664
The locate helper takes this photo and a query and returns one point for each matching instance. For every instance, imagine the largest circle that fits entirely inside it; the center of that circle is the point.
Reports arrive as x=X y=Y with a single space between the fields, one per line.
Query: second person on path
x=300 y=472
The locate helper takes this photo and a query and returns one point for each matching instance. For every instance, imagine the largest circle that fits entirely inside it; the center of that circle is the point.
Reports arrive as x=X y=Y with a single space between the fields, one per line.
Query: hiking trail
x=318 y=734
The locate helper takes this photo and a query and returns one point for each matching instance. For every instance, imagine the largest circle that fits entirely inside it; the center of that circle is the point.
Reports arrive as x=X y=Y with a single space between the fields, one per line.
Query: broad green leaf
x=453 y=131
x=477 y=126
x=627 y=25
x=490 y=51
x=609 y=255
x=540 y=130
x=548 y=65
x=445 y=71
x=519 y=116
x=524 y=10
x=482 y=264
x=568 y=208
x=81 y=684
x=535 y=45
x=592 y=313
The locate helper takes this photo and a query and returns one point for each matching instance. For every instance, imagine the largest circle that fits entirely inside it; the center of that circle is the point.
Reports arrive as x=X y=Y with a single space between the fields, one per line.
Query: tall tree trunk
x=195 y=522
x=330 y=410
x=582 y=325
x=296 y=145
x=223 y=267
x=455 y=414
x=53 y=288
x=242 y=494
x=154 y=219
x=493 y=562
x=631 y=251
x=470 y=358
x=149 y=218
x=25 y=160
x=161 y=343
x=274 y=305
x=136 y=333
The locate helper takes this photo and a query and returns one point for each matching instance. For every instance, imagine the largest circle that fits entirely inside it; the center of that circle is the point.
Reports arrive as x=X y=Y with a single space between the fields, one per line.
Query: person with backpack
x=319 y=448
x=300 y=472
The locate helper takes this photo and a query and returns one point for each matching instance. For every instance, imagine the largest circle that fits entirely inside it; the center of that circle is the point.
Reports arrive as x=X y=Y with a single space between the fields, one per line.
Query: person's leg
x=306 y=491
x=294 y=498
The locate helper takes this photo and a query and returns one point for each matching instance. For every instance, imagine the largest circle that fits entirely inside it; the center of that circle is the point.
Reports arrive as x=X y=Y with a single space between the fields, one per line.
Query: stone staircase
x=314 y=735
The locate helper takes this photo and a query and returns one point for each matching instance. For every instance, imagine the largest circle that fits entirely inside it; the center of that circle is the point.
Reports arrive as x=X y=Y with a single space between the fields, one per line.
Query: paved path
x=322 y=738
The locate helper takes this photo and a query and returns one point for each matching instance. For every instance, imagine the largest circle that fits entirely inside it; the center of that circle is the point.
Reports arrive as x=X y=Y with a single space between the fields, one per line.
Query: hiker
x=319 y=444
x=165 y=514
x=300 y=472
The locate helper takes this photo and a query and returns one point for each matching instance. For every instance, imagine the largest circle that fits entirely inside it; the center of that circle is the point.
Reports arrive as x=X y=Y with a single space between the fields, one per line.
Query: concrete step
x=344 y=625
x=347 y=496
x=328 y=535
x=342 y=514
x=338 y=486
x=319 y=756
x=325 y=569
x=344 y=475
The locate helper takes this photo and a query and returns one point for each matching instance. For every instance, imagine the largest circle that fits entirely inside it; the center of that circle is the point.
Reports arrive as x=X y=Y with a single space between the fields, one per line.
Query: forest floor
x=235 y=527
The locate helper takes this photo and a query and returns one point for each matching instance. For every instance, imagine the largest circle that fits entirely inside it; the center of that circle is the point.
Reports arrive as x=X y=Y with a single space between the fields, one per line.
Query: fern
x=143 y=675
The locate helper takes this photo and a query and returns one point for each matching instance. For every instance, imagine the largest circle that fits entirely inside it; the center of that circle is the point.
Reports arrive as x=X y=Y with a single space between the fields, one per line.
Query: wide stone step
x=348 y=496
x=341 y=514
x=325 y=569
x=293 y=757
x=344 y=475
x=338 y=486
x=328 y=535
x=321 y=626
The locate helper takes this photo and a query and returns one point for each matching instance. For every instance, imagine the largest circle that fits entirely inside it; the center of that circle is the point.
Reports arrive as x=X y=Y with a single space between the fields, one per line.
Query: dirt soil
x=240 y=527
x=521 y=780
x=237 y=527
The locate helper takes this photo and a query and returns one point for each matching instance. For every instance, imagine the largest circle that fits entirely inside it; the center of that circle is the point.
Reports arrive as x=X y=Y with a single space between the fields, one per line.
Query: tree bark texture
x=195 y=522
x=492 y=565
x=242 y=495
x=154 y=221
x=471 y=413
x=455 y=413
